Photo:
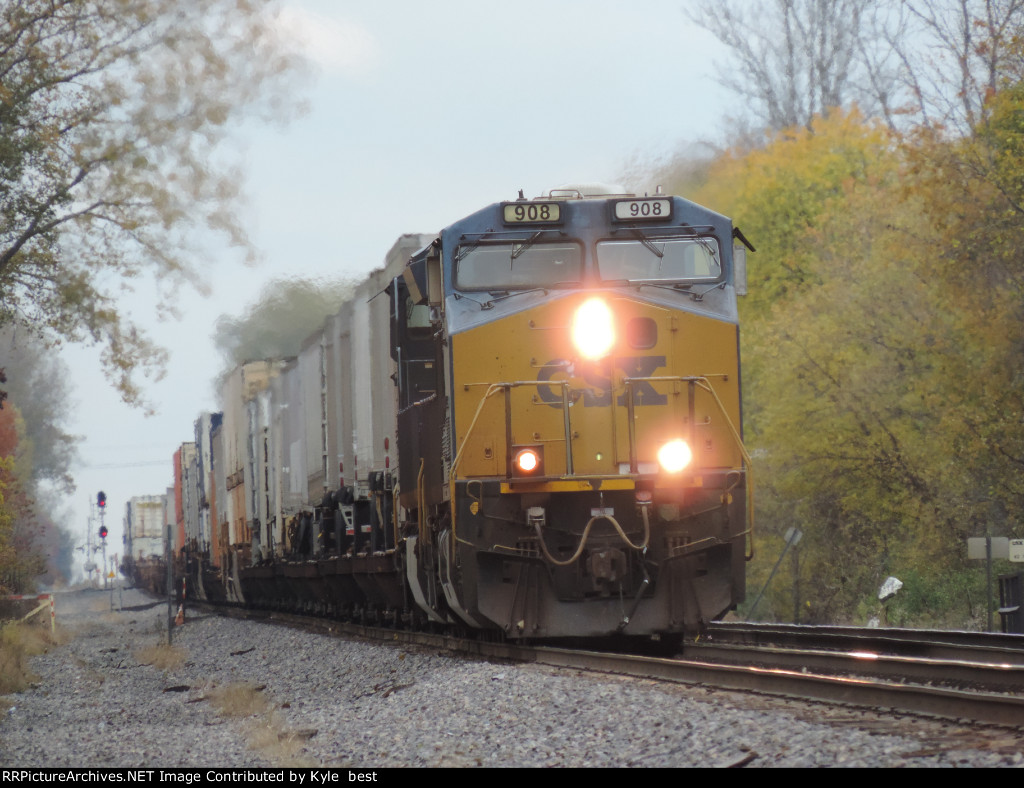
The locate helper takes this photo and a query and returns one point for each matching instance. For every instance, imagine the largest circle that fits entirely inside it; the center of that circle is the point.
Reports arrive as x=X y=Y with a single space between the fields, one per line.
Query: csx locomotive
x=527 y=425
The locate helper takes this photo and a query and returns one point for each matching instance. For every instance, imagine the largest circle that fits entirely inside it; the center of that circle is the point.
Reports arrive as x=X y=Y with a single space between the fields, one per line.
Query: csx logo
x=598 y=392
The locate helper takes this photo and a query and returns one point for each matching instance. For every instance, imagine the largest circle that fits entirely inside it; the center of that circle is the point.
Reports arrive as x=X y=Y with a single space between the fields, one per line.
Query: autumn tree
x=975 y=187
x=822 y=334
x=851 y=346
x=112 y=115
x=881 y=340
x=20 y=560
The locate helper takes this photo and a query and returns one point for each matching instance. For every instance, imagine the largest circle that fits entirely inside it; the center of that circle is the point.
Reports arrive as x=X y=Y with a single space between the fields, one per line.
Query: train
x=527 y=426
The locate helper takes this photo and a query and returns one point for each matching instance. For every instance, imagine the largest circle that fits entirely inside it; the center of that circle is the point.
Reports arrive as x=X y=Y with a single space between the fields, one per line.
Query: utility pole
x=170 y=584
x=90 y=564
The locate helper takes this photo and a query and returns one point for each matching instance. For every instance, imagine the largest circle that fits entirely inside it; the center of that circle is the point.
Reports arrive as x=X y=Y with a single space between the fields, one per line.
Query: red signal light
x=103 y=532
x=101 y=500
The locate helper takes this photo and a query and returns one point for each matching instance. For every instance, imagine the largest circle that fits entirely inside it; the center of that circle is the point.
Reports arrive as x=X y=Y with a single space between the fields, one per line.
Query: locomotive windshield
x=659 y=260
x=517 y=265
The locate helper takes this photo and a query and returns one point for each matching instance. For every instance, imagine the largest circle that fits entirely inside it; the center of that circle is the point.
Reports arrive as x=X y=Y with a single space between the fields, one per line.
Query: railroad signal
x=101 y=500
x=103 y=532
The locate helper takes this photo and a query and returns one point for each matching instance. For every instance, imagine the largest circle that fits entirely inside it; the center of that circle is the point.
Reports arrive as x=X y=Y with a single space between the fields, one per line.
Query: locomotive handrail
x=702 y=382
x=492 y=389
x=421 y=508
x=699 y=380
x=395 y=513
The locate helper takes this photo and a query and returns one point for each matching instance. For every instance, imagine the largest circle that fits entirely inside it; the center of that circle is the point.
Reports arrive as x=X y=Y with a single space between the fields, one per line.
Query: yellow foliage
x=779 y=193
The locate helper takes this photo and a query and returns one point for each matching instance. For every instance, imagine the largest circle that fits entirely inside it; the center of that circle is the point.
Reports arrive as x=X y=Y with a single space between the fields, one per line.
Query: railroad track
x=975 y=678
x=994 y=647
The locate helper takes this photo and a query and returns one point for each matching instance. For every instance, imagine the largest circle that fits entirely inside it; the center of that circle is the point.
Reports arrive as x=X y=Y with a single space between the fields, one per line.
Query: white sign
x=976 y=547
x=1017 y=550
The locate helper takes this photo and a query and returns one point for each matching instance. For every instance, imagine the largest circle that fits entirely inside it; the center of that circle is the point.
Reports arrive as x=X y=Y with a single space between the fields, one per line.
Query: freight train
x=528 y=425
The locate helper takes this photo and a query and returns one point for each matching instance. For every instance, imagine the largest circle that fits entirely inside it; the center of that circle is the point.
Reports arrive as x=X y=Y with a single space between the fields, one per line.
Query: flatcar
x=528 y=425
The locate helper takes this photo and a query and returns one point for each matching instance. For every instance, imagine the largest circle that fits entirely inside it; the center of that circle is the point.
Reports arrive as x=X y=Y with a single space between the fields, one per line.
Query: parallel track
x=989 y=690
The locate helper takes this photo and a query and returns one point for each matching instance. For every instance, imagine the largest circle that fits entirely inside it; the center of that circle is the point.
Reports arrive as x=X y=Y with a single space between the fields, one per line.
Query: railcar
x=527 y=425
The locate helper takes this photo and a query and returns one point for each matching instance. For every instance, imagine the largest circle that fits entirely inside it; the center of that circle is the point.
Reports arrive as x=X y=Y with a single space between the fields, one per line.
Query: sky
x=418 y=114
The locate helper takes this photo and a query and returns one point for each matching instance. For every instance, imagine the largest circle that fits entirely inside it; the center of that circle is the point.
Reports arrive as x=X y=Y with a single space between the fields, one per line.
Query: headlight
x=593 y=329
x=674 y=456
x=528 y=461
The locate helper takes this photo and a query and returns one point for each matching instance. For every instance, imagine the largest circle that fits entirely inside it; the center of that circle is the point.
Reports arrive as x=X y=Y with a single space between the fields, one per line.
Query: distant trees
x=36 y=453
x=882 y=343
x=285 y=314
x=27 y=539
x=931 y=63
x=795 y=59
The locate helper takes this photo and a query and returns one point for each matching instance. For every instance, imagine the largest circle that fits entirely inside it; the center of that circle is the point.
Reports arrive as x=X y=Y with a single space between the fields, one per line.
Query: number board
x=532 y=212
x=643 y=210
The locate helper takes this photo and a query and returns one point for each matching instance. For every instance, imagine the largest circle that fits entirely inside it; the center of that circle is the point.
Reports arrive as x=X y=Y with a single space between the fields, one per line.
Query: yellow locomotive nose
x=593 y=329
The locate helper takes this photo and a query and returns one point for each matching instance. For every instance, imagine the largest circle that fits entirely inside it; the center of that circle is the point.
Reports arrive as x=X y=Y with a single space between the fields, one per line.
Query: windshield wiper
x=501 y=295
x=648 y=245
x=525 y=245
x=708 y=247
x=682 y=288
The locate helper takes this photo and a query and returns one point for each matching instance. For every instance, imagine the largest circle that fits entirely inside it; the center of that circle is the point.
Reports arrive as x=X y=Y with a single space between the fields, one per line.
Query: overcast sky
x=420 y=114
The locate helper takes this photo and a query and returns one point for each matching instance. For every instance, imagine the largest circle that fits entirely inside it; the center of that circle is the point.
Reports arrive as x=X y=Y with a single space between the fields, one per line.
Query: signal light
x=101 y=500
x=103 y=532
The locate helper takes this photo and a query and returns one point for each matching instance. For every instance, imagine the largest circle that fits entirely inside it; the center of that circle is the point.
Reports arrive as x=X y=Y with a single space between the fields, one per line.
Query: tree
x=37 y=383
x=20 y=560
x=850 y=344
x=975 y=188
x=932 y=63
x=797 y=59
x=883 y=372
x=955 y=55
x=779 y=193
x=111 y=117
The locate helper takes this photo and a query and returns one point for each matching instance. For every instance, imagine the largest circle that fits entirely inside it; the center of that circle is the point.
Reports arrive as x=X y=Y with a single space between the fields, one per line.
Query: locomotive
x=528 y=425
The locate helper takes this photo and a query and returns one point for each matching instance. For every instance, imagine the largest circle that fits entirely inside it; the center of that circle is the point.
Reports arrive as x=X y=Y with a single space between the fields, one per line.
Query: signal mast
x=101 y=504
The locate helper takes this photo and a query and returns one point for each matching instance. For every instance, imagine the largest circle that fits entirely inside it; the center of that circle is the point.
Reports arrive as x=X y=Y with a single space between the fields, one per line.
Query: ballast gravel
x=331 y=702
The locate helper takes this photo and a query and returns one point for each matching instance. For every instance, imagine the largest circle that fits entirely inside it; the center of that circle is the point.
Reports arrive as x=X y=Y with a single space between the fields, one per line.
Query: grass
x=162 y=656
x=279 y=746
x=19 y=642
x=267 y=729
x=240 y=699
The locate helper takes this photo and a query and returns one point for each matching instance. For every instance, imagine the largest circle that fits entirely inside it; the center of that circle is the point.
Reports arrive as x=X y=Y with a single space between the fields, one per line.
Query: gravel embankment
x=335 y=703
